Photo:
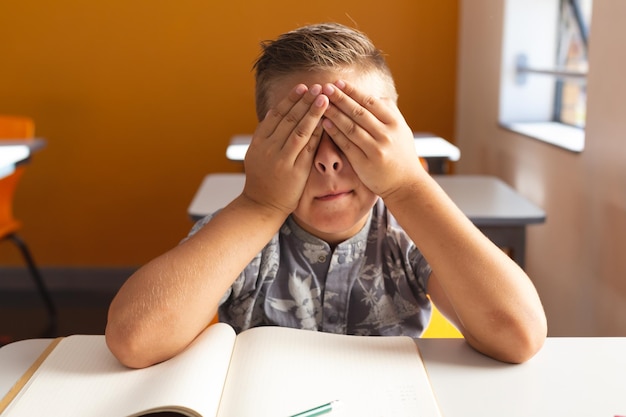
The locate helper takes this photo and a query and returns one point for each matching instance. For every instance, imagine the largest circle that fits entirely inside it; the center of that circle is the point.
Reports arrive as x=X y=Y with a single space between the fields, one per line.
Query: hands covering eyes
x=370 y=131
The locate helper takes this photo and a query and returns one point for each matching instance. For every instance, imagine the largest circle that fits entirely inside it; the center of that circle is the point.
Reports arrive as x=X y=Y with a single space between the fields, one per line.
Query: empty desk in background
x=10 y=156
x=215 y=192
x=33 y=145
x=437 y=151
x=570 y=376
x=16 y=151
x=495 y=208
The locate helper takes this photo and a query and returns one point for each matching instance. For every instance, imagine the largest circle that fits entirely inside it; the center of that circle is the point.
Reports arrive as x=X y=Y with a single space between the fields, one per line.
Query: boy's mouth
x=334 y=195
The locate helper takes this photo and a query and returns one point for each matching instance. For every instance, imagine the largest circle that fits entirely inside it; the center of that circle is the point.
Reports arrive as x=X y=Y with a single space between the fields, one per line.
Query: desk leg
x=437 y=165
x=512 y=238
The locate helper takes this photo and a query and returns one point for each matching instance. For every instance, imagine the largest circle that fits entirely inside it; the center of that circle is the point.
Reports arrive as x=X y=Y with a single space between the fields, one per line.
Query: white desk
x=495 y=208
x=569 y=377
x=10 y=156
x=16 y=151
x=434 y=149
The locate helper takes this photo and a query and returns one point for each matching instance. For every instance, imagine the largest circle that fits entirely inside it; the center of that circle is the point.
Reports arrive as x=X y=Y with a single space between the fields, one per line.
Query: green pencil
x=318 y=411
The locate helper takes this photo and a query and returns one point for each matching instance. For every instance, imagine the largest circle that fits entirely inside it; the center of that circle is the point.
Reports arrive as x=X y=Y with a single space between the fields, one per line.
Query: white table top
x=485 y=200
x=10 y=155
x=572 y=377
x=33 y=144
x=14 y=151
x=427 y=146
x=215 y=192
x=569 y=377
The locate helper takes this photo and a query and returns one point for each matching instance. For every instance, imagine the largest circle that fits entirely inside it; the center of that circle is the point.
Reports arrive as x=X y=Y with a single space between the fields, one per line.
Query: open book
x=264 y=371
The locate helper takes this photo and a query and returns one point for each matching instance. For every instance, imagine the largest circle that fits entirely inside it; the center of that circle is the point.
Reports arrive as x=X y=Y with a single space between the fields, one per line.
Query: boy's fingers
x=301 y=121
x=354 y=101
x=349 y=123
x=347 y=132
x=275 y=116
x=351 y=148
x=305 y=158
x=292 y=121
x=291 y=131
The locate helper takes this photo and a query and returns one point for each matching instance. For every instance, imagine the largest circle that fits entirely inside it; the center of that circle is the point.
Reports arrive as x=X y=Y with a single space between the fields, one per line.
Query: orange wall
x=138 y=100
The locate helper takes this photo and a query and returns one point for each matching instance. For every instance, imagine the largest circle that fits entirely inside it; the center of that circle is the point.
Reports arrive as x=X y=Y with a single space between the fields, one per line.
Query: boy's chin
x=331 y=231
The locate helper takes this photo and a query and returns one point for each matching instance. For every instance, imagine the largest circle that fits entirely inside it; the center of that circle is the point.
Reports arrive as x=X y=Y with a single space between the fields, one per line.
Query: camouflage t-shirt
x=371 y=284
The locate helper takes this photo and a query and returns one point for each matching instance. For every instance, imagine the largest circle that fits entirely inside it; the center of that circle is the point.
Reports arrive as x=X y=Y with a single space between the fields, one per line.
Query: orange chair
x=440 y=327
x=15 y=127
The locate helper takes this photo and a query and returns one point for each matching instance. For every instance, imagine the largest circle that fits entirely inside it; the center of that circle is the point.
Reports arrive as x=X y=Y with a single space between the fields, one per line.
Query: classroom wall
x=576 y=259
x=138 y=99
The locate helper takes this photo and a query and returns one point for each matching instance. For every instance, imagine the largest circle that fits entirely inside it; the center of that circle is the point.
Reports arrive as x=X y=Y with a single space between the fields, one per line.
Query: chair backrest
x=16 y=127
x=12 y=127
x=440 y=327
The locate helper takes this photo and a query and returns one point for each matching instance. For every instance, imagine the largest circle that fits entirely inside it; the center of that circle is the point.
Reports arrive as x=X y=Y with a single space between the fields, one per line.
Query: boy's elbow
x=525 y=341
x=514 y=342
x=527 y=346
x=125 y=348
x=535 y=338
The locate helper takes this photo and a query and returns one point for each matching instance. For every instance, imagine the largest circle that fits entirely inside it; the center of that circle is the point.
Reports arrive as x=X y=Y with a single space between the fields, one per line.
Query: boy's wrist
x=266 y=211
x=406 y=192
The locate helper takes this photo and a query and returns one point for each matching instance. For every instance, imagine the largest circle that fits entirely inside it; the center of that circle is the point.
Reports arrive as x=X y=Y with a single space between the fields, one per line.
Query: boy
x=338 y=228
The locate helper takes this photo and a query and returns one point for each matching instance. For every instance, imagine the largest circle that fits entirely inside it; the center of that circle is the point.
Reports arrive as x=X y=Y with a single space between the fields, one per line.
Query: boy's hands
x=369 y=130
x=374 y=136
x=280 y=156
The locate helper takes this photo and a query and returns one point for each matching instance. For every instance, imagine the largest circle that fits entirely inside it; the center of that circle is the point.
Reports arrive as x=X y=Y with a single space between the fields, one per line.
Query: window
x=571 y=92
x=544 y=69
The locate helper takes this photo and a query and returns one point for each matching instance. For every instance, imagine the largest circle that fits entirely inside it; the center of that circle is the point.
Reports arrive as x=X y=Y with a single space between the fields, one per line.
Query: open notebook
x=262 y=372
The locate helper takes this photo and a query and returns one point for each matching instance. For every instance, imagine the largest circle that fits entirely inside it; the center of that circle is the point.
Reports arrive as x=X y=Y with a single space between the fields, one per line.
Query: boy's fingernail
x=301 y=89
x=340 y=84
x=316 y=89
x=329 y=89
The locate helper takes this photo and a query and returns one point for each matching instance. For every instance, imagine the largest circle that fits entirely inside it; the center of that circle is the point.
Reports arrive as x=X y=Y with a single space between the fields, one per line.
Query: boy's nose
x=328 y=159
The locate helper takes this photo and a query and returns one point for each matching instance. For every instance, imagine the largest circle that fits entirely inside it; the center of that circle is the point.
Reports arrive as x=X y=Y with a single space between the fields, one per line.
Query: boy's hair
x=324 y=46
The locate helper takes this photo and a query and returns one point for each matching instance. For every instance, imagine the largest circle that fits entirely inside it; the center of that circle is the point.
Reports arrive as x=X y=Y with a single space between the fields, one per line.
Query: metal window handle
x=522 y=70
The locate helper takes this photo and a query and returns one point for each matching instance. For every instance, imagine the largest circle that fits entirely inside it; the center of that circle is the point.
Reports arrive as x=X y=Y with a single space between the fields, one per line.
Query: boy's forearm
x=491 y=298
x=167 y=302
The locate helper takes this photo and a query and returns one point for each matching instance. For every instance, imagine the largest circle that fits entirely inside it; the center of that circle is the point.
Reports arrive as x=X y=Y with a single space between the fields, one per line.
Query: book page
x=280 y=372
x=82 y=378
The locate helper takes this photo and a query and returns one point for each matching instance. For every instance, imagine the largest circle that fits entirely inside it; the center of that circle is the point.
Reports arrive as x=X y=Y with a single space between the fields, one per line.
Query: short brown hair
x=316 y=47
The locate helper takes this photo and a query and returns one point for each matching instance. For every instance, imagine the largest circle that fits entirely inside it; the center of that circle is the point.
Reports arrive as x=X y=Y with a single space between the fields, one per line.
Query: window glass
x=570 y=97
